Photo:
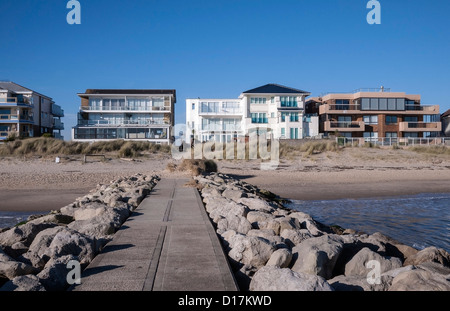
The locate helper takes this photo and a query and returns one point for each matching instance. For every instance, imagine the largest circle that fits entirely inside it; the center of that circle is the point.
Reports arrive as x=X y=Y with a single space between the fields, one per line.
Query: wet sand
x=41 y=185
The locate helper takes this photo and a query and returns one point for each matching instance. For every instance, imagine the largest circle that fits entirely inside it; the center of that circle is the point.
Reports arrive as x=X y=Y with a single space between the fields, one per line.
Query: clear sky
x=219 y=48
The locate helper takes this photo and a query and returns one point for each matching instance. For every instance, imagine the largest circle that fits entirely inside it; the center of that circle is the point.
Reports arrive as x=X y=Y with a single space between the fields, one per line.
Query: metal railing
x=125 y=108
x=221 y=111
x=392 y=141
x=122 y=123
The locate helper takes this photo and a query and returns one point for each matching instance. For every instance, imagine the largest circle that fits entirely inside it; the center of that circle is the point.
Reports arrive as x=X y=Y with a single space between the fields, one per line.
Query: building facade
x=26 y=113
x=375 y=114
x=125 y=114
x=273 y=109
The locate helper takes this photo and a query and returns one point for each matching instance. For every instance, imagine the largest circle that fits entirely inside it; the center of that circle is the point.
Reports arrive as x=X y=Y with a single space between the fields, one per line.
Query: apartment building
x=276 y=110
x=27 y=113
x=125 y=114
x=373 y=114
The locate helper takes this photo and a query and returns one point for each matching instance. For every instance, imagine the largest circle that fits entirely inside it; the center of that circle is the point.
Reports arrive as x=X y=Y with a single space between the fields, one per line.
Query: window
x=431 y=118
x=342 y=104
x=391 y=119
x=294 y=117
x=391 y=134
x=283 y=116
x=272 y=115
x=288 y=101
x=272 y=100
x=346 y=134
x=411 y=119
x=193 y=106
x=371 y=136
x=371 y=120
x=411 y=135
x=259 y=118
x=283 y=132
x=257 y=100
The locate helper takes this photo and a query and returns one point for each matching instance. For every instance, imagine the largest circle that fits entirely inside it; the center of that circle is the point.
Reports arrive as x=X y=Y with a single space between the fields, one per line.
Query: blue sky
x=215 y=48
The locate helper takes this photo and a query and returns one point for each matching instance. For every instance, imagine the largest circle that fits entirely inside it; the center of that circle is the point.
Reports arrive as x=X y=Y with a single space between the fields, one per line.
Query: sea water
x=10 y=219
x=419 y=221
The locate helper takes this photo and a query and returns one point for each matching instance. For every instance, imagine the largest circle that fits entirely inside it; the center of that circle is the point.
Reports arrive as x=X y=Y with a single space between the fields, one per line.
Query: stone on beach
x=429 y=254
x=24 y=283
x=272 y=278
x=317 y=255
x=357 y=265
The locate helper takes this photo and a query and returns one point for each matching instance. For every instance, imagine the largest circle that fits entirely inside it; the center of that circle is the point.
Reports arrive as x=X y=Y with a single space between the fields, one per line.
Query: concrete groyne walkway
x=168 y=244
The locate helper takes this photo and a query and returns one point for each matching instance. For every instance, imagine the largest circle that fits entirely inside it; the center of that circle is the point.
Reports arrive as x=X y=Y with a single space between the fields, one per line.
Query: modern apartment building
x=27 y=113
x=125 y=114
x=373 y=114
x=274 y=109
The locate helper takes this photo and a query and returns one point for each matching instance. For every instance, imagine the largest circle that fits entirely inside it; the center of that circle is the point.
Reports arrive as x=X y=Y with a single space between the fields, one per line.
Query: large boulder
x=70 y=242
x=423 y=278
x=256 y=204
x=54 y=275
x=272 y=278
x=102 y=225
x=357 y=265
x=24 y=233
x=237 y=223
x=37 y=253
x=10 y=268
x=317 y=255
x=358 y=283
x=429 y=254
x=25 y=283
x=281 y=258
x=248 y=250
x=293 y=237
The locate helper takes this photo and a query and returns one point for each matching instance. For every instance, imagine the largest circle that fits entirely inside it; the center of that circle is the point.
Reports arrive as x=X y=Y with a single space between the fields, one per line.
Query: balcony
x=126 y=123
x=331 y=126
x=420 y=127
x=125 y=108
x=339 y=109
x=15 y=118
x=57 y=124
x=12 y=101
x=221 y=112
x=57 y=111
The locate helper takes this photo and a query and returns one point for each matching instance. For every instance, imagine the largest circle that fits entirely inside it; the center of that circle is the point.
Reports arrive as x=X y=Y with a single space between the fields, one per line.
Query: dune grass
x=43 y=146
x=433 y=150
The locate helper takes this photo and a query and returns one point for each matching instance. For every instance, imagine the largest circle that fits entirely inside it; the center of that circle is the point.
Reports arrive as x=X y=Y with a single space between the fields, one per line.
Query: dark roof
x=274 y=89
x=129 y=91
x=446 y=114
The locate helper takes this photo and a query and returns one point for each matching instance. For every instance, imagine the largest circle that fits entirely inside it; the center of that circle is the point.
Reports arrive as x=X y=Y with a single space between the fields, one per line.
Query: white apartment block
x=273 y=109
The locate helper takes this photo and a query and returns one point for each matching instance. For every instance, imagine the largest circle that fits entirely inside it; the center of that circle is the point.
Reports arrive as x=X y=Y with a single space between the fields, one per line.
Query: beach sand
x=42 y=185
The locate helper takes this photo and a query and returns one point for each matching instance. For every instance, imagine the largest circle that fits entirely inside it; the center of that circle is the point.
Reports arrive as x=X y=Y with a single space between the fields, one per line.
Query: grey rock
x=281 y=258
x=54 y=275
x=357 y=265
x=253 y=251
x=272 y=278
x=358 y=283
x=25 y=283
x=429 y=254
x=420 y=280
x=317 y=255
x=294 y=237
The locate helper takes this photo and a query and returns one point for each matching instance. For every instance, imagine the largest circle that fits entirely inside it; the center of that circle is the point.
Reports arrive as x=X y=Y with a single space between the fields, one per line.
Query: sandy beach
x=39 y=184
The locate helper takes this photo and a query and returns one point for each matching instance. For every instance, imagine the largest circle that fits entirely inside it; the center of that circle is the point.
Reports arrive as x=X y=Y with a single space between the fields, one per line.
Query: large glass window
x=258 y=100
x=259 y=118
x=371 y=120
x=383 y=104
x=411 y=119
x=288 y=101
x=391 y=120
